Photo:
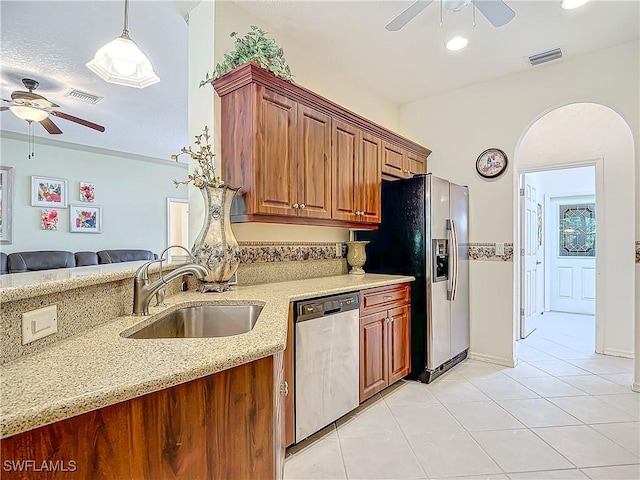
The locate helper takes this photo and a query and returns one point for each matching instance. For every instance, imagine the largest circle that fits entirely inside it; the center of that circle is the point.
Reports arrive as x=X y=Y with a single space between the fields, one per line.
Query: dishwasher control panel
x=319 y=307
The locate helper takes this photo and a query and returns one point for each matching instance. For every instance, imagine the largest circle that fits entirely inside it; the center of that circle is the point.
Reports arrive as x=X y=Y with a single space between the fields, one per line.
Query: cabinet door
x=345 y=139
x=374 y=372
x=415 y=164
x=399 y=339
x=369 y=178
x=393 y=161
x=314 y=163
x=275 y=161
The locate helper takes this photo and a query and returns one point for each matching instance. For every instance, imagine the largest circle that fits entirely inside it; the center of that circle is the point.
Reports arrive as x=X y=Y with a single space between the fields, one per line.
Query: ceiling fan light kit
x=29 y=114
x=122 y=62
x=572 y=4
x=456 y=43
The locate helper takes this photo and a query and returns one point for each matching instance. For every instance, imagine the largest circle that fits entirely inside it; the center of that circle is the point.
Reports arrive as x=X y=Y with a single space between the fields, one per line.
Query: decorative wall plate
x=491 y=163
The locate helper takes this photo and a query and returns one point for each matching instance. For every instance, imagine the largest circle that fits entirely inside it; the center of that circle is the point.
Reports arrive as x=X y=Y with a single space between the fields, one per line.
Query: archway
x=587 y=133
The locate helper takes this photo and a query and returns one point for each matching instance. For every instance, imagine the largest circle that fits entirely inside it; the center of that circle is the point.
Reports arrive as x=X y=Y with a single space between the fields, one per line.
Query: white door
x=572 y=254
x=532 y=264
x=178 y=228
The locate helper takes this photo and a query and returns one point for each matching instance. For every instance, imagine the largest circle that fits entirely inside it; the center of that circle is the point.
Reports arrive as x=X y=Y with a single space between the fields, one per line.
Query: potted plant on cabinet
x=256 y=48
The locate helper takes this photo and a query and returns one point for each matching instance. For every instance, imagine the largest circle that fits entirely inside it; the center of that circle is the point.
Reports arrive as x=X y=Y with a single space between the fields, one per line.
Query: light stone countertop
x=100 y=367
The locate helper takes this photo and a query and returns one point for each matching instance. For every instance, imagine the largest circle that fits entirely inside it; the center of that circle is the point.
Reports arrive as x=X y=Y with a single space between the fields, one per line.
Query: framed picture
x=6 y=204
x=85 y=219
x=87 y=192
x=49 y=219
x=48 y=192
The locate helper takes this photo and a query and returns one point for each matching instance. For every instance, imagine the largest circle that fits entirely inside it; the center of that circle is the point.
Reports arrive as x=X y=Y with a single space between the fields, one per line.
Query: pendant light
x=122 y=62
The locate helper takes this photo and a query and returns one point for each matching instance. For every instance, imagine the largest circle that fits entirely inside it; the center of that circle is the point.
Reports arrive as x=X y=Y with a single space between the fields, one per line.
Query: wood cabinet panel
x=374 y=372
x=313 y=163
x=345 y=139
x=216 y=427
x=385 y=337
x=415 y=164
x=399 y=343
x=393 y=162
x=370 y=169
x=276 y=180
x=385 y=297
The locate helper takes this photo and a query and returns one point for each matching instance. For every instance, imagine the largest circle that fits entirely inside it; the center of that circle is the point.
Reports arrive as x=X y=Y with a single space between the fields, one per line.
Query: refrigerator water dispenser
x=440 y=260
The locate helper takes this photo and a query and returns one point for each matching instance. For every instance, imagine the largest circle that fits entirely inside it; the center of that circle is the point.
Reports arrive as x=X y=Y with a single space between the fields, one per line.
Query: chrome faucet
x=143 y=290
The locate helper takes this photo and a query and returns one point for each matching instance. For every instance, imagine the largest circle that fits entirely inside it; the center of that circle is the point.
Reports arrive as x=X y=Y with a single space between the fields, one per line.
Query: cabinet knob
x=302 y=205
x=389 y=319
x=295 y=205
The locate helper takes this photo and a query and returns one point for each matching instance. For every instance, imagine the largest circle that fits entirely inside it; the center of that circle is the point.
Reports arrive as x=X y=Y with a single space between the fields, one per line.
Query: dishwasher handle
x=325 y=306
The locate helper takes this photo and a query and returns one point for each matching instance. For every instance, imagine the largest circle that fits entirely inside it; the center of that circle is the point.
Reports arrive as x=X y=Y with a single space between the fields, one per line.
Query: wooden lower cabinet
x=224 y=426
x=385 y=338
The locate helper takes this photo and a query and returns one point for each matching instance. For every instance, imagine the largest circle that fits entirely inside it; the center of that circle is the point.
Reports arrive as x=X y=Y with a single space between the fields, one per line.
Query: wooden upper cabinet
x=300 y=158
x=369 y=172
x=313 y=163
x=415 y=164
x=275 y=159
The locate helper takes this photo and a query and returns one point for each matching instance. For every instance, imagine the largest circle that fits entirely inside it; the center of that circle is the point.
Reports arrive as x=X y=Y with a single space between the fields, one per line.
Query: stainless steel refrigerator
x=424 y=232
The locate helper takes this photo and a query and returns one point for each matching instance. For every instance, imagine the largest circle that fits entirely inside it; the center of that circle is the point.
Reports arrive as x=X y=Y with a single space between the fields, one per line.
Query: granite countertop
x=100 y=367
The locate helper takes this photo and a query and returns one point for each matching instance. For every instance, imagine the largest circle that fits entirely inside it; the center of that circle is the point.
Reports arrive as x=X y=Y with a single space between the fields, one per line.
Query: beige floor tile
x=594 y=385
x=379 y=458
x=603 y=364
x=629 y=403
x=624 y=379
x=590 y=409
x=451 y=455
x=323 y=461
x=457 y=391
x=409 y=392
x=627 y=435
x=520 y=451
x=550 y=387
x=477 y=416
x=538 y=412
x=625 y=472
x=375 y=420
x=559 y=367
x=425 y=418
x=524 y=370
x=571 y=474
x=504 y=388
x=585 y=447
x=490 y=476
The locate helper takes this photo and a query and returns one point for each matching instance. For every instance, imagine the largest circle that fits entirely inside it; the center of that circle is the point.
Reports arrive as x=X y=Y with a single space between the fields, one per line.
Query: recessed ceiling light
x=572 y=4
x=456 y=43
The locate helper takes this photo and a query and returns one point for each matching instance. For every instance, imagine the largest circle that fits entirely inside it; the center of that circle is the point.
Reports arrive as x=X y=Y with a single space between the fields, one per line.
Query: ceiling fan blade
x=3 y=108
x=80 y=121
x=406 y=16
x=50 y=127
x=496 y=11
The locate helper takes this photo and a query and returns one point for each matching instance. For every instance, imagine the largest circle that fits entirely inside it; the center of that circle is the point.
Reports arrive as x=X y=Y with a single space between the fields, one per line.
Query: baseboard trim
x=506 y=362
x=636 y=387
x=618 y=353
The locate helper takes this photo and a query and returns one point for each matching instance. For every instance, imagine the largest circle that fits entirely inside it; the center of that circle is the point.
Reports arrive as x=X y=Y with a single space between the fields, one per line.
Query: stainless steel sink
x=202 y=321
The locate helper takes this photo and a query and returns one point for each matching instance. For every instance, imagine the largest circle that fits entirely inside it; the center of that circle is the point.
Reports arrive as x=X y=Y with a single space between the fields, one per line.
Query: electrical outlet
x=39 y=323
x=338 y=250
x=500 y=248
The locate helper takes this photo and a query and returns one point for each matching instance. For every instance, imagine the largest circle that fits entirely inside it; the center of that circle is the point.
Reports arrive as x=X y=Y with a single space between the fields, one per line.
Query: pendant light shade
x=28 y=113
x=122 y=62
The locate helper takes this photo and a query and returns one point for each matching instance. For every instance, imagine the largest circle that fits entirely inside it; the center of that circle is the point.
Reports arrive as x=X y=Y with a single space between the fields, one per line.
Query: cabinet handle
x=387 y=297
x=295 y=205
x=302 y=205
x=284 y=388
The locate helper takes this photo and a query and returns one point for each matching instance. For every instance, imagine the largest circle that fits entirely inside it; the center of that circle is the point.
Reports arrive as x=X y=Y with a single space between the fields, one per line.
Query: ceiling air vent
x=544 y=57
x=83 y=96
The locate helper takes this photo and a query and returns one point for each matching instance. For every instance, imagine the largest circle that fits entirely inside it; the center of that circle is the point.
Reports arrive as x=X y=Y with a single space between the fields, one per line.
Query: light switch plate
x=338 y=250
x=39 y=323
x=500 y=248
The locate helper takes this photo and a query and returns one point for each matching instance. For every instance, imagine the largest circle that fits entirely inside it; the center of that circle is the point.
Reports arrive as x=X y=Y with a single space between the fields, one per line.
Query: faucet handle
x=160 y=297
x=178 y=246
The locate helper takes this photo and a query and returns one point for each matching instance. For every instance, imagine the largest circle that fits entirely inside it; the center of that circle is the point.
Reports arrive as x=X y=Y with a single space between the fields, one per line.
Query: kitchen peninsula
x=192 y=404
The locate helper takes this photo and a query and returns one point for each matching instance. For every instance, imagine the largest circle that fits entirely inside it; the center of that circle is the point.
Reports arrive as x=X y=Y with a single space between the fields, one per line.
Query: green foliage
x=253 y=47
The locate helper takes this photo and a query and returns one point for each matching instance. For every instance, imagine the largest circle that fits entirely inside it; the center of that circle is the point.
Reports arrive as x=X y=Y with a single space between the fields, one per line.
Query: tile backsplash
x=487 y=251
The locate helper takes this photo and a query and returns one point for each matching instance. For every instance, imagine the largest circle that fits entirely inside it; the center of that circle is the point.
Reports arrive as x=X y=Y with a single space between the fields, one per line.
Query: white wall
x=459 y=125
x=566 y=181
x=132 y=192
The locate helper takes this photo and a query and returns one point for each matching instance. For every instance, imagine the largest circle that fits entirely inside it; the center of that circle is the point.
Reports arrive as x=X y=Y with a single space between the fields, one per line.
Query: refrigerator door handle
x=454 y=266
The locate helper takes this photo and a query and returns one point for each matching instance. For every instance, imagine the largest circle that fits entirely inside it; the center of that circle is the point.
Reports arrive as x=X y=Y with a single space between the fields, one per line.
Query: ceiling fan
x=32 y=107
x=496 y=11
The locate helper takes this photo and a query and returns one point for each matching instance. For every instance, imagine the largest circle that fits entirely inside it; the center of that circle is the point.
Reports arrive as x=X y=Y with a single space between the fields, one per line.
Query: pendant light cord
x=125 y=30
x=31 y=142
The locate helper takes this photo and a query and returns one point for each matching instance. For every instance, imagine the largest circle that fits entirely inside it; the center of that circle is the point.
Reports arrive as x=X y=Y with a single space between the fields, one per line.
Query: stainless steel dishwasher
x=326 y=360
